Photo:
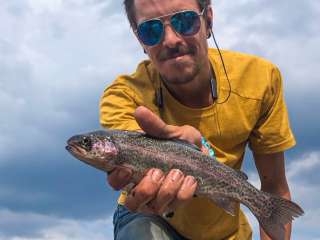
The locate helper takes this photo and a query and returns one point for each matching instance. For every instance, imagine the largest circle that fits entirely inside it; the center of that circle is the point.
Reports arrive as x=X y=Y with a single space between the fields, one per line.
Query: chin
x=180 y=73
x=180 y=77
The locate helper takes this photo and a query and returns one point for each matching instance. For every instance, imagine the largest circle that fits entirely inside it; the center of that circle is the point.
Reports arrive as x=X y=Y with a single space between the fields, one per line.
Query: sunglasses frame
x=166 y=22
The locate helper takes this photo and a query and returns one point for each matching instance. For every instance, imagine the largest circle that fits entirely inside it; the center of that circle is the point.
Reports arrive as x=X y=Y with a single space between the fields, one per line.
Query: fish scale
x=224 y=186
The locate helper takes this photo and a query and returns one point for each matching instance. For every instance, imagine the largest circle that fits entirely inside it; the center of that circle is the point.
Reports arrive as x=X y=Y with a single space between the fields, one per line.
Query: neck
x=197 y=92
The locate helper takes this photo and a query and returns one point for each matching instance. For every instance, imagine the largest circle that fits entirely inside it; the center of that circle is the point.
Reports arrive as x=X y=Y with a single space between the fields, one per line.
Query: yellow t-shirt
x=254 y=113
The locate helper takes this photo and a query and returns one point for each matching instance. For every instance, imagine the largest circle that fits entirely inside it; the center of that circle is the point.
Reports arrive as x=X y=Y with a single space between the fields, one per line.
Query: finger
x=204 y=150
x=146 y=190
x=189 y=134
x=152 y=124
x=119 y=177
x=185 y=193
x=146 y=209
x=155 y=126
x=168 y=190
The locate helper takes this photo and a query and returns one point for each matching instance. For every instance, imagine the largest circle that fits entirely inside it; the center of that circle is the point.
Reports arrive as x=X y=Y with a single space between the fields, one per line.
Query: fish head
x=94 y=148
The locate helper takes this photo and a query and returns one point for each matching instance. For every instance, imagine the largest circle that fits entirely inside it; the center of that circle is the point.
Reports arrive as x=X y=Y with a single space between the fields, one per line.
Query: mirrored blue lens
x=186 y=23
x=150 y=32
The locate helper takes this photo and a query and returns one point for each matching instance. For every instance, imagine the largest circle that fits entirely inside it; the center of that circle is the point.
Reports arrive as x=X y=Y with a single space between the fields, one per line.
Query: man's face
x=178 y=58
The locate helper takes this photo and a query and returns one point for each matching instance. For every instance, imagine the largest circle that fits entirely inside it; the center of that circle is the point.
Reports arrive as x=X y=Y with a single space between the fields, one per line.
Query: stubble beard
x=183 y=74
x=181 y=71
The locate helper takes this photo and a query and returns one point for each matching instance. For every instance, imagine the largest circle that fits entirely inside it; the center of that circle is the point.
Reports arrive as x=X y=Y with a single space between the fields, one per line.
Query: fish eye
x=86 y=143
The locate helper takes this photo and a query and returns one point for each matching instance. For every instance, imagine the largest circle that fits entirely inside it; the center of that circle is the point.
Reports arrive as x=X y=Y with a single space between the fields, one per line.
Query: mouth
x=176 y=56
x=75 y=150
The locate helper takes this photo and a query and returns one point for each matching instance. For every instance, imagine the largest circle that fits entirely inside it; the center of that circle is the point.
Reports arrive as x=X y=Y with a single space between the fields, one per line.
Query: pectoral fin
x=242 y=175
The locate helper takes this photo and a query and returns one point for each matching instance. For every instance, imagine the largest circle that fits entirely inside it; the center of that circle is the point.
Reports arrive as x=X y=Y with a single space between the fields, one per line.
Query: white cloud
x=32 y=226
x=307 y=163
x=45 y=6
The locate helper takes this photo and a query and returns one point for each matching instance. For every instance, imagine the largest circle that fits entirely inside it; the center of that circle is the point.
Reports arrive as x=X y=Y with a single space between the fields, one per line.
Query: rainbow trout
x=223 y=185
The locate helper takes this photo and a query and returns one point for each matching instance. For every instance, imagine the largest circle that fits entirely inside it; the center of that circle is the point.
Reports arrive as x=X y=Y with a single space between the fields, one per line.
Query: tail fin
x=276 y=215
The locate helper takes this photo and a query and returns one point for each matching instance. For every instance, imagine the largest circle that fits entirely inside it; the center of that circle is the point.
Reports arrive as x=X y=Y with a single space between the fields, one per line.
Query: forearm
x=263 y=235
x=271 y=169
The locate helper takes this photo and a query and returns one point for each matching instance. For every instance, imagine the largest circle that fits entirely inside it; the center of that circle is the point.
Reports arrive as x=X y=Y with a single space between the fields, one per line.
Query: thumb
x=152 y=124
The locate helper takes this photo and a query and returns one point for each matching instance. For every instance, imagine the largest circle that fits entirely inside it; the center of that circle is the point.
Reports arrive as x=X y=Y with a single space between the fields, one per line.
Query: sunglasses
x=186 y=23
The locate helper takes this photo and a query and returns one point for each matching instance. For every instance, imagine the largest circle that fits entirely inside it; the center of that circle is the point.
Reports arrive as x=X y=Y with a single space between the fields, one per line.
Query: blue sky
x=56 y=58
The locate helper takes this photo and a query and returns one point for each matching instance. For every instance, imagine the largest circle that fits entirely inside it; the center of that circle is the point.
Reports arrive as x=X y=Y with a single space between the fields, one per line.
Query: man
x=189 y=91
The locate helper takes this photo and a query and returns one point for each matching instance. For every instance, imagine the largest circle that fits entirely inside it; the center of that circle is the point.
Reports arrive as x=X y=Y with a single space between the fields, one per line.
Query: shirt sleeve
x=117 y=106
x=272 y=132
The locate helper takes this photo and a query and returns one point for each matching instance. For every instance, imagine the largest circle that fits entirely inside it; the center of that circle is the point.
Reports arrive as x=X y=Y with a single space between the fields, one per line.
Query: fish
x=225 y=186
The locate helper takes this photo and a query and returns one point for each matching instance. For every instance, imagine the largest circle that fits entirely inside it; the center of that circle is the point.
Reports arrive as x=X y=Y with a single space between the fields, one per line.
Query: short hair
x=130 y=11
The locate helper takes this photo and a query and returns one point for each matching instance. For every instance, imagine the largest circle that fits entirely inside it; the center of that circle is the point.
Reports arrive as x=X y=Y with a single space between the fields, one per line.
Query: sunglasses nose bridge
x=170 y=36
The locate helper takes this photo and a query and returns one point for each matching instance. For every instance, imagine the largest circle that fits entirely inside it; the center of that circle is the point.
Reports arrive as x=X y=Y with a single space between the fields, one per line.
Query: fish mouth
x=76 y=151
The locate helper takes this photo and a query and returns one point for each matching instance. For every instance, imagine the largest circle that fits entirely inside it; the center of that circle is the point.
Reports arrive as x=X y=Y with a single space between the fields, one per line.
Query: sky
x=57 y=57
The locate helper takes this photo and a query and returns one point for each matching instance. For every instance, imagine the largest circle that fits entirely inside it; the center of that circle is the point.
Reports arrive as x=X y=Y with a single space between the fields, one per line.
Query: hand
x=157 y=193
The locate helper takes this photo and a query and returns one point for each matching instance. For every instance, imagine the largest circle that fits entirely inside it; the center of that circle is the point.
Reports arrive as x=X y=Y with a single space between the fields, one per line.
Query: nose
x=171 y=38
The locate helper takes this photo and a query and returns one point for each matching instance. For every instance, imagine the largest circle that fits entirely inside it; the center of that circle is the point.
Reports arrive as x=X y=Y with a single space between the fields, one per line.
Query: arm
x=271 y=169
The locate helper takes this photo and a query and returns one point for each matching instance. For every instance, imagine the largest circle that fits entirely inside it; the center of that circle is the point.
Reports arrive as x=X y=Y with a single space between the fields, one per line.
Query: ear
x=209 y=18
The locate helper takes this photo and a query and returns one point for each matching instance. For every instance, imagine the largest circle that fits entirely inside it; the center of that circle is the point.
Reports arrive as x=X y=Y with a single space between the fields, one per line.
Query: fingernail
x=156 y=175
x=176 y=175
x=190 y=181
